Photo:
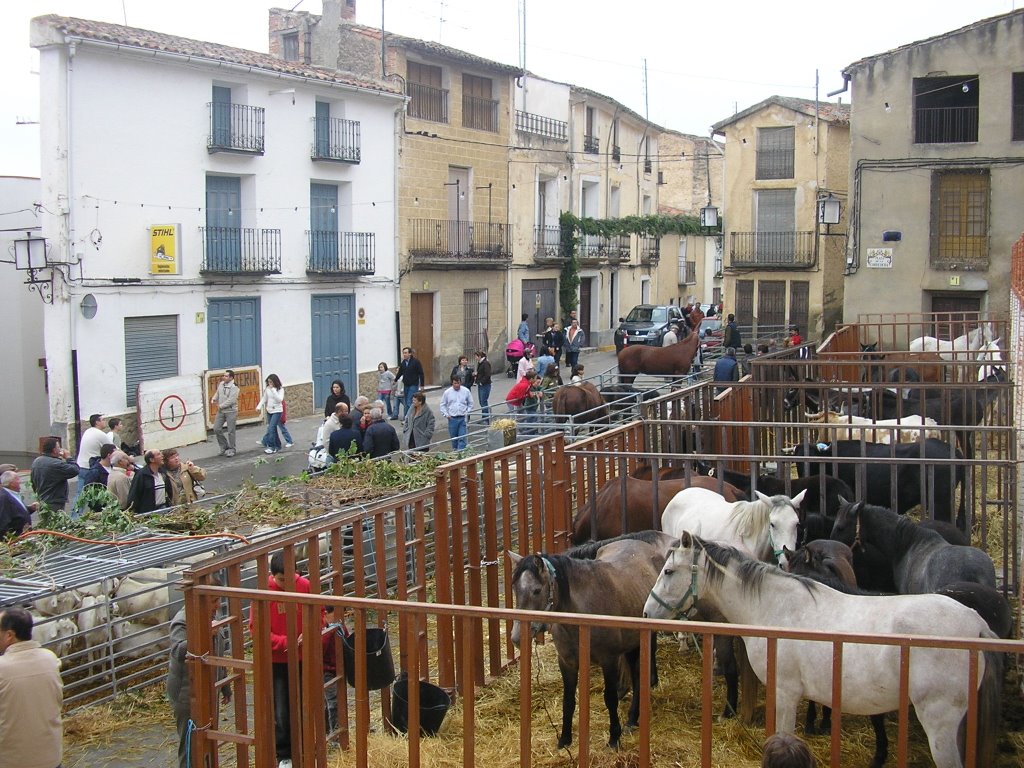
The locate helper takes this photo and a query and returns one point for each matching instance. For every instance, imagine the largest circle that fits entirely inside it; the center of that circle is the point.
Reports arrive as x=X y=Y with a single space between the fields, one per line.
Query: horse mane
x=588 y=551
x=751 y=573
x=750 y=517
x=906 y=530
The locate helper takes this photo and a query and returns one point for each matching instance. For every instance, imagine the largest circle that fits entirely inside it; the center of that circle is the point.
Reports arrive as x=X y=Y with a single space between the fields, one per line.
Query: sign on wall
x=170 y=412
x=163 y=249
x=250 y=385
x=879 y=258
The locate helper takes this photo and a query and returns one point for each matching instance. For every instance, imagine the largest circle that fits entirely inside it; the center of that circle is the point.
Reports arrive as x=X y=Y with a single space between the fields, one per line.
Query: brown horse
x=674 y=360
x=582 y=401
x=641 y=512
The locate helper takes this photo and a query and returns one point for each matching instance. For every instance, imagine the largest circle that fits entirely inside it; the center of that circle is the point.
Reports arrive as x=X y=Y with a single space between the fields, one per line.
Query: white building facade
x=216 y=208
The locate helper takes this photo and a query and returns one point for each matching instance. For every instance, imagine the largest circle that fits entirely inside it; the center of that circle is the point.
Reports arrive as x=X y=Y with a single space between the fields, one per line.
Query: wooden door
x=421 y=316
x=955 y=324
x=584 y=314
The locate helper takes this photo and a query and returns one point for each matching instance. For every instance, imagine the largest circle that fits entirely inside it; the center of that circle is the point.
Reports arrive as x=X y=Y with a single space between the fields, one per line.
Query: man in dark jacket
x=410 y=373
x=732 y=333
x=483 y=383
x=727 y=369
x=380 y=438
x=50 y=474
x=149 y=491
x=342 y=439
x=15 y=514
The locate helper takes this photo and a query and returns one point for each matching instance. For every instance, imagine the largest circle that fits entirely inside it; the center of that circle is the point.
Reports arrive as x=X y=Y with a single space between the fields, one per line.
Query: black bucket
x=434 y=704
x=380 y=665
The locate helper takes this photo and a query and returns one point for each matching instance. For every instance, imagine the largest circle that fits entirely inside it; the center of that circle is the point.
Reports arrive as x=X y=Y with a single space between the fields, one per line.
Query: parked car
x=646 y=324
x=709 y=325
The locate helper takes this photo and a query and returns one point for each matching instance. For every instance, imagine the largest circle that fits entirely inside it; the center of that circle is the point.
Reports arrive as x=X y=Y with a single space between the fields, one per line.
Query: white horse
x=760 y=528
x=747 y=592
x=991 y=353
x=969 y=342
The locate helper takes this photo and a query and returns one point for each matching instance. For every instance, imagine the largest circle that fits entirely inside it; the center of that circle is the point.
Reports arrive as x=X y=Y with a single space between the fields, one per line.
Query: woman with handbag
x=273 y=402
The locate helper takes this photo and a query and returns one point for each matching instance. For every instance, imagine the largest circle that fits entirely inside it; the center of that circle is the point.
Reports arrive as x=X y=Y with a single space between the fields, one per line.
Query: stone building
x=782 y=157
x=208 y=207
x=937 y=167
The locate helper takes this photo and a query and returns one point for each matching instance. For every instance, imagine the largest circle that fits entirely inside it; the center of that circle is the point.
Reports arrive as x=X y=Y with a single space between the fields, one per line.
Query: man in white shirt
x=671 y=336
x=226 y=400
x=456 y=403
x=94 y=438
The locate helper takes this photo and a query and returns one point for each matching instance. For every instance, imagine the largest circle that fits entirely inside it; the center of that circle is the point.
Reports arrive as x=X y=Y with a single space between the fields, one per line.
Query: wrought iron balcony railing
x=937 y=125
x=650 y=250
x=771 y=250
x=427 y=103
x=341 y=253
x=616 y=153
x=230 y=250
x=235 y=128
x=527 y=122
x=481 y=114
x=595 y=249
x=458 y=242
x=547 y=244
x=336 y=139
x=591 y=145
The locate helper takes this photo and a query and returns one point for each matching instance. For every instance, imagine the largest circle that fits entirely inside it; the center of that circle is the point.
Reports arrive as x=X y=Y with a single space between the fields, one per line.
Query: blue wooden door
x=223 y=229
x=323 y=226
x=233 y=332
x=220 y=116
x=334 y=344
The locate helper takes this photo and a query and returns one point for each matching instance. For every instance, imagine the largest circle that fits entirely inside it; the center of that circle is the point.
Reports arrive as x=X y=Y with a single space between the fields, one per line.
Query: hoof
x=563 y=743
x=728 y=713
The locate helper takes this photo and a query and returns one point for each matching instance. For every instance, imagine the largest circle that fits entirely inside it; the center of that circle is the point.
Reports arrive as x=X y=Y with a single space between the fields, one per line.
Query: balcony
x=648 y=166
x=591 y=145
x=236 y=251
x=650 y=250
x=427 y=103
x=771 y=250
x=236 y=128
x=340 y=253
x=941 y=125
x=336 y=140
x=458 y=243
x=547 y=245
x=549 y=128
x=596 y=250
x=616 y=153
x=481 y=114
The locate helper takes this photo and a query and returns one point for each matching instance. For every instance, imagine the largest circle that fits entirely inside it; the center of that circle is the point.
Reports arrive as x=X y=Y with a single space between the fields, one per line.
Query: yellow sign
x=250 y=385
x=163 y=250
x=954 y=279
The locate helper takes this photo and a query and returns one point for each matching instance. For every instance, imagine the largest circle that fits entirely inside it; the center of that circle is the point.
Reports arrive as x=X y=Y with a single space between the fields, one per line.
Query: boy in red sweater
x=279 y=654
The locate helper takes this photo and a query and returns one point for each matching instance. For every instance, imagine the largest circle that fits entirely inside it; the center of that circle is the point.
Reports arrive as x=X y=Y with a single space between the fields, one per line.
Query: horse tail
x=989 y=707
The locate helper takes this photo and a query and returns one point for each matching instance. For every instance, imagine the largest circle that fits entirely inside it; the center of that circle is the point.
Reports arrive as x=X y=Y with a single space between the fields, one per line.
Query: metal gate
x=150 y=351
x=334 y=343
x=539 y=303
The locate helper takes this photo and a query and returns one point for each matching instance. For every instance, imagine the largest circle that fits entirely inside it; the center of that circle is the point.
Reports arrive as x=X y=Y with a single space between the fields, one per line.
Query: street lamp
x=829 y=211
x=709 y=217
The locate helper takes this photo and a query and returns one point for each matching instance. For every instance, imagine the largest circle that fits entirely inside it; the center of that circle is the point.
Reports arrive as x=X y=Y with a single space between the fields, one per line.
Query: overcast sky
x=704 y=60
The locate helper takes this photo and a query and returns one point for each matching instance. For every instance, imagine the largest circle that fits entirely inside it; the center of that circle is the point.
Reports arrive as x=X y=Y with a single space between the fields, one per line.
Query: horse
x=969 y=342
x=748 y=592
x=761 y=528
x=615 y=583
x=823 y=559
x=822 y=492
x=641 y=510
x=674 y=360
x=581 y=401
x=922 y=561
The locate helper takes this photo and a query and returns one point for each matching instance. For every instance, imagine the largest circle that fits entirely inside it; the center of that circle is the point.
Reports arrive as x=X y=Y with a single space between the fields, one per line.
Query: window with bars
x=946 y=109
x=744 y=302
x=771 y=304
x=799 y=305
x=428 y=100
x=960 y=213
x=775 y=153
x=474 y=312
x=479 y=109
x=1017 y=105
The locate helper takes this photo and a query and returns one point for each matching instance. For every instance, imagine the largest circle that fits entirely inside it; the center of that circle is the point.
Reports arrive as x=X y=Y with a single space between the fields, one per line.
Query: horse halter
x=552 y=582
x=778 y=554
x=673 y=609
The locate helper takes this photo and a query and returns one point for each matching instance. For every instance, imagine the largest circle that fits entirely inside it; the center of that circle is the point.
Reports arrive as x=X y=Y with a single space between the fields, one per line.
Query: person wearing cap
x=671 y=336
x=727 y=369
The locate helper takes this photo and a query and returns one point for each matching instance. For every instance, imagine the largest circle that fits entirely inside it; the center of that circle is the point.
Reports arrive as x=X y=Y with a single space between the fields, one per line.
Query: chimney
x=348 y=10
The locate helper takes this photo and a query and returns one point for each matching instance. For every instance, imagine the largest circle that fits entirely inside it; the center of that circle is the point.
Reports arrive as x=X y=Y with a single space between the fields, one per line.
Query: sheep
x=145 y=600
x=56 y=634
x=57 y=604
x=94 y=620
x=137 y=641
x=879 y=435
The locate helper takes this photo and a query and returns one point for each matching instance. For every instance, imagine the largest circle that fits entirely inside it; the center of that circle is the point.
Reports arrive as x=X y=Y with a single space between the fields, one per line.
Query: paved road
x=225 y=475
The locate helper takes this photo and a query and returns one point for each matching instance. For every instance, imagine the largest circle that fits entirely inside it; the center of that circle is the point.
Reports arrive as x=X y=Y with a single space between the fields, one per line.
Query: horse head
x=783 y=523
x=847 y=525
x=535 y=589
x=675 y=593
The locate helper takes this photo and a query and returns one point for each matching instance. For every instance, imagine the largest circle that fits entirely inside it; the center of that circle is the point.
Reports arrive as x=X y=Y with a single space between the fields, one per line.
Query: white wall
x=138 y=158
x=543 y=97
x=21 y=317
